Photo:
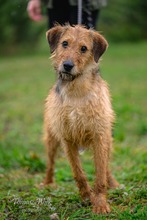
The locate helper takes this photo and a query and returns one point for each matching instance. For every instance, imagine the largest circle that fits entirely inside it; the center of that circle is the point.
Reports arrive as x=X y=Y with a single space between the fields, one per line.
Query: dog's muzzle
x=66 y=73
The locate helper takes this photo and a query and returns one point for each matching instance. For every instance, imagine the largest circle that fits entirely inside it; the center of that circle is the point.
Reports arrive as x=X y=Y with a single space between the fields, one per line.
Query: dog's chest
x=79 y=123
x=79 y=120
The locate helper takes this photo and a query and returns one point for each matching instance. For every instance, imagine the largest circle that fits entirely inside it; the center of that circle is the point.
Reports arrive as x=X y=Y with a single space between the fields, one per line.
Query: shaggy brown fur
x=78 y=110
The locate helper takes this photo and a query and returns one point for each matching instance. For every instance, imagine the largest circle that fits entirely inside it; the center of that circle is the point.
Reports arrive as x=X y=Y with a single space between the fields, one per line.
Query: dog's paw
x=44 y=185
x=113 y=184
x=85 y=195
x=101 y=208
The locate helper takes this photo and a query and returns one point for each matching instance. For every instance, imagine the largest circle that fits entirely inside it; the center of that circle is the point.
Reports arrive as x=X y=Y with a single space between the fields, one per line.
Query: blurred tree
x=15 y=25
x=125 y=20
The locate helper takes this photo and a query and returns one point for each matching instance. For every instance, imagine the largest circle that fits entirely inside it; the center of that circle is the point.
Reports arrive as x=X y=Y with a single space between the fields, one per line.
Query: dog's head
x=75 y=50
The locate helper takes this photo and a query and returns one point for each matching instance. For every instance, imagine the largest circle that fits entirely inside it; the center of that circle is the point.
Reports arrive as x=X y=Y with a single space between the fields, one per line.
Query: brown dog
x=78 y=110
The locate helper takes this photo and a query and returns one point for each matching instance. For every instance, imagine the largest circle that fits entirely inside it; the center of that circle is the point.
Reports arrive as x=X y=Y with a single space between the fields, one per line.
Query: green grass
x=24 y=84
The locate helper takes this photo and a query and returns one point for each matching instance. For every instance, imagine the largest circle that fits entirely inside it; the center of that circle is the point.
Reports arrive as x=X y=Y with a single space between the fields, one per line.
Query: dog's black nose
x=68 y=65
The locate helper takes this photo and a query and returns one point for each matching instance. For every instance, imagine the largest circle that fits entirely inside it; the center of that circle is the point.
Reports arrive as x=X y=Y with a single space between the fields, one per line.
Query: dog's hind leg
x=79 y=175
x=51 y=145
x=112 y=182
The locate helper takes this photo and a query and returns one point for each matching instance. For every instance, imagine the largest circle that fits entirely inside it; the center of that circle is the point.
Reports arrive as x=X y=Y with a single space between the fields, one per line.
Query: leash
x=87 y=11
x=89 y=14
x=79 y=11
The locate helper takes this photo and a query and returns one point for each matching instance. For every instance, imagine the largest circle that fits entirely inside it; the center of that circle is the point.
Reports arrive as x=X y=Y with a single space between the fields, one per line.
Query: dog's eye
x=64 y=44
x=83 y=49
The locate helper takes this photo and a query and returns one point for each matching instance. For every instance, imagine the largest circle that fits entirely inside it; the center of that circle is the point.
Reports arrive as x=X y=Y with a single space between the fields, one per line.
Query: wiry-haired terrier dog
x=78 y=110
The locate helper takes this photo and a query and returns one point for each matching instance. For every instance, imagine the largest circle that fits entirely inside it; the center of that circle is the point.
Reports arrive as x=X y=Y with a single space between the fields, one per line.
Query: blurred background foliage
x=125 y=20
x=16 y=27
x=121 y=20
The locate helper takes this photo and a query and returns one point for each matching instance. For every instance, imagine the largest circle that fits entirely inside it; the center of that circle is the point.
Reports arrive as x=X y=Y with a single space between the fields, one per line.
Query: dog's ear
x=99 y=45
x=53 y=36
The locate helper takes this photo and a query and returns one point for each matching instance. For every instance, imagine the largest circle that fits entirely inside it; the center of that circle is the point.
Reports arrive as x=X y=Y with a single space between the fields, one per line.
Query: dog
x=78 y=110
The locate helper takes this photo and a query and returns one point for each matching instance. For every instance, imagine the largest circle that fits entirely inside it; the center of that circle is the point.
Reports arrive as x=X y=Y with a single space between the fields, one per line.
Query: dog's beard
x=66 y=76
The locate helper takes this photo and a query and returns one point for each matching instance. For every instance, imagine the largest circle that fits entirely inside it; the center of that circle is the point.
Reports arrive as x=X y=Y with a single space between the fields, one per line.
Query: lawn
x=24 y=83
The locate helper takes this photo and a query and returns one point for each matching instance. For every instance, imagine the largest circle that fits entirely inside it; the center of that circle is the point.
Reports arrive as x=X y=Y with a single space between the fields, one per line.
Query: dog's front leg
x=79 y=175
x=98 y=199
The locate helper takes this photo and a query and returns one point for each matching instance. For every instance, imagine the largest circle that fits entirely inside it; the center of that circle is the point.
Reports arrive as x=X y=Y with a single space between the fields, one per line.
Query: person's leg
x=59 y=13
x=63 y=13
x=73 y=17
x=50 y=16
x=94 y=18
